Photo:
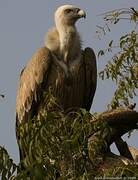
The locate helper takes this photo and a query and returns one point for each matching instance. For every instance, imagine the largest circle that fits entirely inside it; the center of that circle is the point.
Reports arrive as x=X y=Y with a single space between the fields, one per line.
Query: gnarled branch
x=116 y=123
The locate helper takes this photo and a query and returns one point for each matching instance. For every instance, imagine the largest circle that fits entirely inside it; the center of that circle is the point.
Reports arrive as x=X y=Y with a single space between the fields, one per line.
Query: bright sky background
x=23 y=25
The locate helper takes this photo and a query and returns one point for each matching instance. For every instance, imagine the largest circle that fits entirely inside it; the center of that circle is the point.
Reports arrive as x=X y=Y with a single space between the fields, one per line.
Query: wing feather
x=31 y=80
x=90 y=77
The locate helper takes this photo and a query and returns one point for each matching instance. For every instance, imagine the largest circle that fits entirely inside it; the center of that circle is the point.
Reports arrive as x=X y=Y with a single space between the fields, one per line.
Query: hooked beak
x=81 y=14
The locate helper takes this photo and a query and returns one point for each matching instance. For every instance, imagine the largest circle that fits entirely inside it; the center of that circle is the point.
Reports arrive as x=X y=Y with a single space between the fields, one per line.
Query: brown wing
x=90 y=78
x=32 y=78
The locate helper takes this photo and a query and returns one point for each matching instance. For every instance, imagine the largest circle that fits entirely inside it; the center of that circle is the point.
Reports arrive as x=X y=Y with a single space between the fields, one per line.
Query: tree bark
x=116 y=123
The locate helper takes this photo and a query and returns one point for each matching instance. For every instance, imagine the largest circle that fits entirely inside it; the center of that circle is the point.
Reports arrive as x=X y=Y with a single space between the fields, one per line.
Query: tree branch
x=121 y=121
x=115 y=124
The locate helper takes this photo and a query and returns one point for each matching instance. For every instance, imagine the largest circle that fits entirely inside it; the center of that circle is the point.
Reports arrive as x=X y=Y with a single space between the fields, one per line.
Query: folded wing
x=90 y=78
x=32 y=78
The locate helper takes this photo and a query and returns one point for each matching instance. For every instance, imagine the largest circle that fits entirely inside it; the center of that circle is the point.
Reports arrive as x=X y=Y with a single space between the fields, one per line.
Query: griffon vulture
x=62 y=65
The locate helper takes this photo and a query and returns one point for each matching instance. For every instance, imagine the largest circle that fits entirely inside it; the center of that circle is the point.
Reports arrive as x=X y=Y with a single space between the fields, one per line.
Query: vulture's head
x=68 y=15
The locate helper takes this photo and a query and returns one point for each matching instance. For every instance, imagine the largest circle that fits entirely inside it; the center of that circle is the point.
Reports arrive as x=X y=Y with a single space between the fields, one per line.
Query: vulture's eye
x=67 y=11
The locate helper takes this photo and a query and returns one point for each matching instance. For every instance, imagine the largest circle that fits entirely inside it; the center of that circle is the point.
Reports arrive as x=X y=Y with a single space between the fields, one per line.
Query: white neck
x=66 y=33
x=67 y=37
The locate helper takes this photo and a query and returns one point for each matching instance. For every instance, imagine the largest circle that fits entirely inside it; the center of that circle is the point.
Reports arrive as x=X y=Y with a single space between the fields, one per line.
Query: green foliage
x=123 y=66
x=123 y=171
x=7 y=167
x=55 y=146
x=55 y=143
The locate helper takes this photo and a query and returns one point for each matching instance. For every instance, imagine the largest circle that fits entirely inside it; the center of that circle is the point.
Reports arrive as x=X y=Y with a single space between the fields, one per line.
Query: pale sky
x=23 y=25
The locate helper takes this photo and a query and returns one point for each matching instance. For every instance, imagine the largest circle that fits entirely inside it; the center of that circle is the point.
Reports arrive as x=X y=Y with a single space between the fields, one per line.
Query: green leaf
x=100 y=53
x=110 y=43
x=101 y=75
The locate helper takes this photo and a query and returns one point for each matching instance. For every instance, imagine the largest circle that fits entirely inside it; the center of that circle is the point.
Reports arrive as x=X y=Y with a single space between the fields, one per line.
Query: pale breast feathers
x=52 y=40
